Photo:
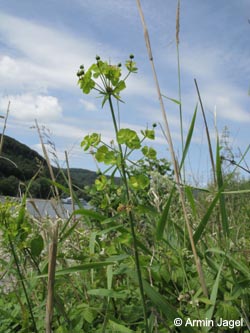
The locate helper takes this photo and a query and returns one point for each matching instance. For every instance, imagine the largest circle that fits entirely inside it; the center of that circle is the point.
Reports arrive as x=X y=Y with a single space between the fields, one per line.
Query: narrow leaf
x=163 y=219
x=189 y=137
x=119 y=327
x=84 y=267
x=102 y=292
x=214 y=293
x=205 y=219
x=172 y=99
x=89 y=213
x=223 y=212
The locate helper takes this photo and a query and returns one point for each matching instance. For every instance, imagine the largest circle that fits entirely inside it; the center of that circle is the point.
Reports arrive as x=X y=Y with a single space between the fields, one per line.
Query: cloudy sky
x=42 y=44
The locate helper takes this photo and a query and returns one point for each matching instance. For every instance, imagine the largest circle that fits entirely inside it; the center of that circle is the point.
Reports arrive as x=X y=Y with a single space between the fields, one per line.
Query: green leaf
x=131 y=66
x=191 y=200
x=101 y=183
x=213 y=297
x=103 y=154
x=119 y=327
x=168 y=310
x=89 y=315
x=201 y=227
x=235 y=264
x=129 y=138
x=91 y=141
x=89 y=213
x=36 y=246
x=112 y=73
x=149 y=152
x=119 y=87
x=102 y=292
x=223 y=211
x=139 y=182
x=189 y=137
x=86 y=83
x=149 y=134
x=172 y=99
x=227 y=311
x=84 y=267
x=164 y=216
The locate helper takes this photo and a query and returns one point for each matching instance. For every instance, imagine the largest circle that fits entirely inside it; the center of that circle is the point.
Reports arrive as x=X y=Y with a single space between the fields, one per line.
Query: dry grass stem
x=47 y=160
x=51 y=279
x=69 y=181
x=174 y=160
x=4 y=128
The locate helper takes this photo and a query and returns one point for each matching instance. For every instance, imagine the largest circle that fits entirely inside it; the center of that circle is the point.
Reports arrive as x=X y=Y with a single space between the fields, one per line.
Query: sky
x=43 y=43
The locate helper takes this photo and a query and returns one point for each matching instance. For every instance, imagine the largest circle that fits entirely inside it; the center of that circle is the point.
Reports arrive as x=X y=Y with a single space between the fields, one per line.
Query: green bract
x=131 y=66
x=110 y=83
x=103 y=154
x=149 y=152
x=91 y=140
x=86 y=83
x=101 y=183
x=129 y=138
x=139 y=182
x=150 y=134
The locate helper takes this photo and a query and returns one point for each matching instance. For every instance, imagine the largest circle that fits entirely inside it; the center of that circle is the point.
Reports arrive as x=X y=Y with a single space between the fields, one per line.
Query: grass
x=153 y=249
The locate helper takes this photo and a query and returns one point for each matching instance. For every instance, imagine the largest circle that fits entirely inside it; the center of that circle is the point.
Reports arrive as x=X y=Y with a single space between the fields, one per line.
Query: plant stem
x=4 y=128
x=173 y=157
x=131 y=222
x=23 y=285
x=179 y=80
x=51 y=279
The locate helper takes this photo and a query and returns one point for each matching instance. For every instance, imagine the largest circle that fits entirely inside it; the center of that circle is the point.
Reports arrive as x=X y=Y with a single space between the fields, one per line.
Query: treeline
x=19 y=164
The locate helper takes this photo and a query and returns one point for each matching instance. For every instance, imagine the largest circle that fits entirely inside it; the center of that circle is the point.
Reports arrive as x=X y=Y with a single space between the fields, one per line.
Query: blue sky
x=42 y=44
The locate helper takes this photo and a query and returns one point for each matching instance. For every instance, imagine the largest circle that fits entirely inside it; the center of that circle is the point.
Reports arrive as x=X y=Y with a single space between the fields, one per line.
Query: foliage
x=126 y=264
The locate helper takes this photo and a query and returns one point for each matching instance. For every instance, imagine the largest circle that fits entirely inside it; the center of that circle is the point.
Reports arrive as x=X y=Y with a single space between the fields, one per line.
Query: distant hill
x=19 y=163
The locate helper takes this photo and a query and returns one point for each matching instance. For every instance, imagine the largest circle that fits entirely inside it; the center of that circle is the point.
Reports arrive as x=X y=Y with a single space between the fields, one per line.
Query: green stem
x=180 y=105
x=23 y=285
x=131 y=222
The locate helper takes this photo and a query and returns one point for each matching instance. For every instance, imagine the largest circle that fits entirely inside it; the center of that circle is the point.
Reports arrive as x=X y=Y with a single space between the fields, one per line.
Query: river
x=50 y=208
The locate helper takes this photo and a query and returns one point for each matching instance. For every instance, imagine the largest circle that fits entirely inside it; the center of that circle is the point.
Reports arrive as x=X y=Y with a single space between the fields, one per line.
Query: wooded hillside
x=19 y=163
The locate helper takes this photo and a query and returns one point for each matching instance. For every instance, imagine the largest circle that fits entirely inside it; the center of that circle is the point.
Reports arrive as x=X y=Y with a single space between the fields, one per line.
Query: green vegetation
x=153 y=248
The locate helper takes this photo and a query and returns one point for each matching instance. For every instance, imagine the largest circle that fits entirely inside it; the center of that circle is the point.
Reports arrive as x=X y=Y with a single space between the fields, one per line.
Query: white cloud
x=46 y=57
x=88 y=106
x=28 y=107
x=227 y=109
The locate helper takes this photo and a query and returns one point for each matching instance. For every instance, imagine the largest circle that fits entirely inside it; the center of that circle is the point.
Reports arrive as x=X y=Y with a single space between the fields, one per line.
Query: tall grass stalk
x=46 y=156
x=4 y=128
x=51 y=279
x=69 y=180
x=172 y=152
x=177 y=37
